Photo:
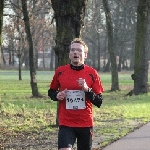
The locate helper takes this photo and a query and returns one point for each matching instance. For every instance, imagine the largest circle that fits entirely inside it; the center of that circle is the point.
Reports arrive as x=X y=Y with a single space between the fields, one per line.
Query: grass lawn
x=19 y=112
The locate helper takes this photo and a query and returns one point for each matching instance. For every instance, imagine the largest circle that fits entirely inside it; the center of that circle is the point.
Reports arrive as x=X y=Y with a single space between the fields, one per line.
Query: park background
x=35 y=40
x=27 y=122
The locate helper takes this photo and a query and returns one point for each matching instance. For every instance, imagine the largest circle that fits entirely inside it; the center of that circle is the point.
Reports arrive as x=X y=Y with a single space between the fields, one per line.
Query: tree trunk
x=52 y=57
x=69 y=16
x=142 y=47
x=114 y=72
x=1 y=24
x=31 y=52
x=19 y=68
x=19 y=50
x=2 y=57
x=106 y=68
x=99 y=53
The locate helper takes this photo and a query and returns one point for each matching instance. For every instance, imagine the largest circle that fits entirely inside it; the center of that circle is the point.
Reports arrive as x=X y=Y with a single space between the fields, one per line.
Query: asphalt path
x=136 y=140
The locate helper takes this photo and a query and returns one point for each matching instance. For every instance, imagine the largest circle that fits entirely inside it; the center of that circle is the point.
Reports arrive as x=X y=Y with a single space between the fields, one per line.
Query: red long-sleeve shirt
x=66 y=78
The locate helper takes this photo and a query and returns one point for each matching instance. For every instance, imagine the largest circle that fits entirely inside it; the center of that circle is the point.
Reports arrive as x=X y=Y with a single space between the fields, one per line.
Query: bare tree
x=142 y=47
x=114 y=72
x=31 y=52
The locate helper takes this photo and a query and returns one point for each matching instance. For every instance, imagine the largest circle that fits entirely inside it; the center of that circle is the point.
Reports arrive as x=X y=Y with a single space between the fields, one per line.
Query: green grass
x=118 y=115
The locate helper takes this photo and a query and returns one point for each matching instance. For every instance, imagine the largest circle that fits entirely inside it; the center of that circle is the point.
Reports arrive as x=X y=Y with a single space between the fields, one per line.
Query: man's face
x=77 y=55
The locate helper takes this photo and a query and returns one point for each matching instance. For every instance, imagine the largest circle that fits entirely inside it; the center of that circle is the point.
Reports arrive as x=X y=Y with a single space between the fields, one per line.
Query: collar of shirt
x=77 y=68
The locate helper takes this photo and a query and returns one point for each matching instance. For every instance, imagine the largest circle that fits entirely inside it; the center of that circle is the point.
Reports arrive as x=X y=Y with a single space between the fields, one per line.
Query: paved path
x=137 y=140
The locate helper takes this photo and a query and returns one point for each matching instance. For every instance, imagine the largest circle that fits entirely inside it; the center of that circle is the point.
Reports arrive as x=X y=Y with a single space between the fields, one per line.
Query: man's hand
x=61 y=95
x=82 y=83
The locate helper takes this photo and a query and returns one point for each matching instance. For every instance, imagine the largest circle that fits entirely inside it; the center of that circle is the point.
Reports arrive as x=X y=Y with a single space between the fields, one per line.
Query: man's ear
x=85 y=55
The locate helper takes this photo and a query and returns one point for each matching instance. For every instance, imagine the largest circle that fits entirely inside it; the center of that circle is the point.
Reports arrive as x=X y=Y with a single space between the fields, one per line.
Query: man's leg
x=66 y=138
x=84 y=138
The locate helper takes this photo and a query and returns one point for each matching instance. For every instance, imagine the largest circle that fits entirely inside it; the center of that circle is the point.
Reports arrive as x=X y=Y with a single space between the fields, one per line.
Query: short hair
x=79 y=40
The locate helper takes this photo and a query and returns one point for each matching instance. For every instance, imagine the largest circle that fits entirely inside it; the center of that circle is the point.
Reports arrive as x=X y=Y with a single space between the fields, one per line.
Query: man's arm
x=53 y=94
x=95 y=99
x=57 y=95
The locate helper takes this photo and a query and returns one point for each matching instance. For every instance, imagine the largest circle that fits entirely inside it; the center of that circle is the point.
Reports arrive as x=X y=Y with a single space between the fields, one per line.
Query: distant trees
x=94 y=31
x=124 y=23
x=40 y=14
x=94 y=20
x=94 y=34
x=24 y=27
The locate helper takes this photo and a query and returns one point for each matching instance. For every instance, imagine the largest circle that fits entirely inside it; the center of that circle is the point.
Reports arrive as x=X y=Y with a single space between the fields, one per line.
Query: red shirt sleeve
x=55 y=83
x=97 y=85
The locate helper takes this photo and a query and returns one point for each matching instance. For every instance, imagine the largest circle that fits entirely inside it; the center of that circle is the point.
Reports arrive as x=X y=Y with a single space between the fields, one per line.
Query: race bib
x=75 y=99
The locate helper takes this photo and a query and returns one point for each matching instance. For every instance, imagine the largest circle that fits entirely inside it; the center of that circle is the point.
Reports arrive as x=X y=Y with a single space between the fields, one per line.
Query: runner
x=76 y=86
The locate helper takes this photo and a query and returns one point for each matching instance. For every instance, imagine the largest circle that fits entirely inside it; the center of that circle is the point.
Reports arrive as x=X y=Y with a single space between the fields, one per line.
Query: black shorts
x=68 y=135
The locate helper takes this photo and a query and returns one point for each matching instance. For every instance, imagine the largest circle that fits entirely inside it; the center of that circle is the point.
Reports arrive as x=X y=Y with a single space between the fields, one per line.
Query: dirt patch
x=41 y=140
x=47 y=140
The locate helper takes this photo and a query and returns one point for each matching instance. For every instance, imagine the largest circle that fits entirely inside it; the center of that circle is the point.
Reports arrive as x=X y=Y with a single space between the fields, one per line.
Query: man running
x=77 y=87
